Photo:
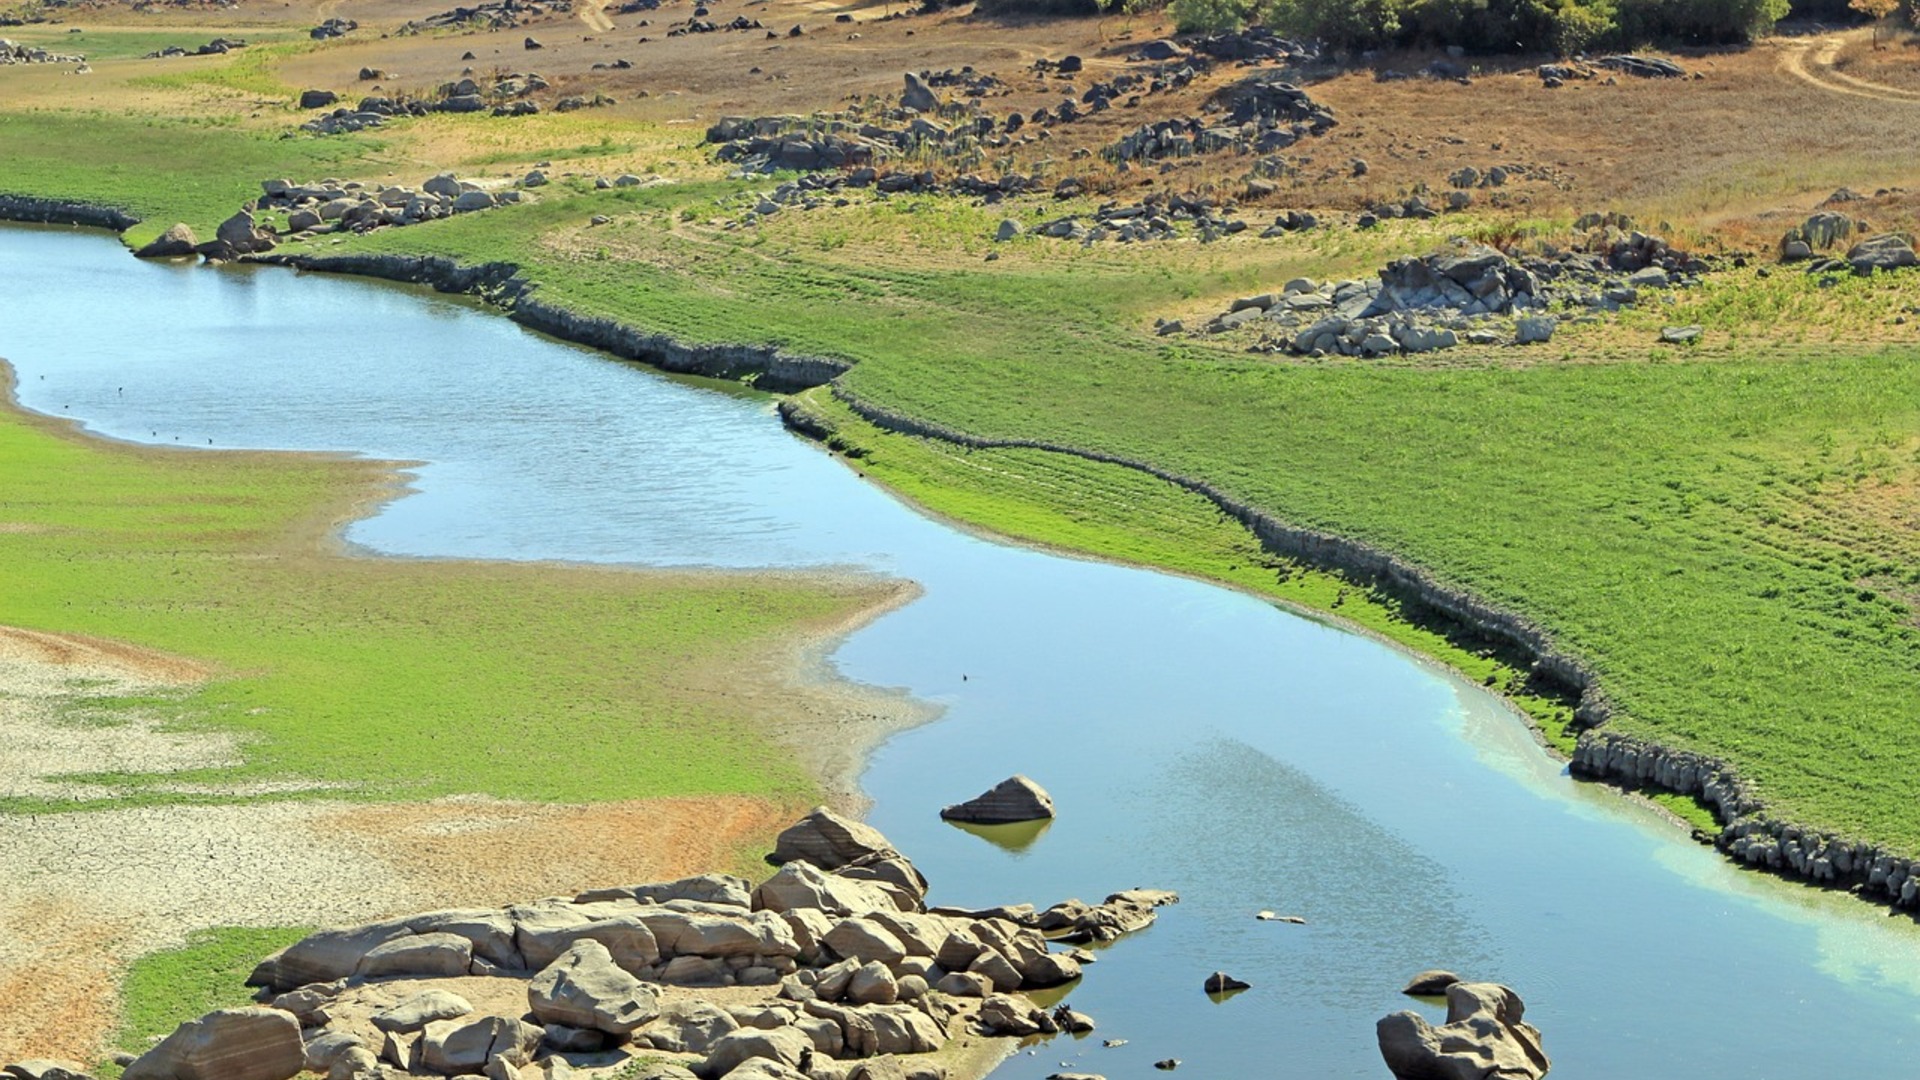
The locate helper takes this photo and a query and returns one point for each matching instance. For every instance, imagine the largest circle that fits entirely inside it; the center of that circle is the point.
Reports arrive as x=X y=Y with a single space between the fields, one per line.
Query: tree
x=1877 y=10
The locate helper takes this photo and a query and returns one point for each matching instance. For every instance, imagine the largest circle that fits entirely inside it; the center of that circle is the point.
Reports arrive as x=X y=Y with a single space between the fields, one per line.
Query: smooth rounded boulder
x=584 y=988
x=226 y=1044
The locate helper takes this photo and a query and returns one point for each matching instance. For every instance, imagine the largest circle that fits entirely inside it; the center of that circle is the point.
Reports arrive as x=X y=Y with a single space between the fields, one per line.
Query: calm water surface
x=1194 y=738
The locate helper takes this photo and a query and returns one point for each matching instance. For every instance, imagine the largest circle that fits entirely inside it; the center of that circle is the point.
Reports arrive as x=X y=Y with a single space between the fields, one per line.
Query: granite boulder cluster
x=832 y=968
x=1263 y=115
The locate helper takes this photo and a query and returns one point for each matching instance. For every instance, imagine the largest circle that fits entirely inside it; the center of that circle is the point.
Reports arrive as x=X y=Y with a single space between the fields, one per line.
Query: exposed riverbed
x=1195 y=738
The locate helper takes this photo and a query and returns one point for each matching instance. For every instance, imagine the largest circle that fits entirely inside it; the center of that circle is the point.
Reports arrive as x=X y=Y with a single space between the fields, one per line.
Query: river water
x=1194 y=738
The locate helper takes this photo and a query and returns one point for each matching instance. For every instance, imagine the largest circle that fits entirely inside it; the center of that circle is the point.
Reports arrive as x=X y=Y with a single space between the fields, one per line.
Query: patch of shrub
x=1699 y=22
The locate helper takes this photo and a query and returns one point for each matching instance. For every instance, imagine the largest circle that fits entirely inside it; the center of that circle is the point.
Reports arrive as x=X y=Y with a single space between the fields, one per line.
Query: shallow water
x=1194 y=738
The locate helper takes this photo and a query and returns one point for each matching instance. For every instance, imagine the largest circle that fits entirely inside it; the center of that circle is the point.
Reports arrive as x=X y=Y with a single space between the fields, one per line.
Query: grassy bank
x=389 y=679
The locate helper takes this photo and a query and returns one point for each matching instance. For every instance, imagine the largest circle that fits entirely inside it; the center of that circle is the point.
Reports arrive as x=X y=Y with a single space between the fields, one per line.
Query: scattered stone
x=918 y=96
x=1483 y=1036
x=1680 y=335
x=530 y=44
x=1008 y=230
x=1534 y=329
x=1645 y=67
x=1011 y=800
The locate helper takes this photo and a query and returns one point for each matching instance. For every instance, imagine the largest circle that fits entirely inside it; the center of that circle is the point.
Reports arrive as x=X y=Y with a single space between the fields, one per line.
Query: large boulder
x=584 y=988
x=865 y=940
x=692 y=933
x=789 y=1046
x=420 y=1010
x=800 y=885
x=435 y=955
x=1014 y=799
x=687 y=1027
x=176 y=243
x=1482 y=1039
x=704 y=888
x=881 y=1029
x=544 y=932
x=456 y=1047
x=918 y=96
x=828 y=841
x=226 y=1044
x=1888 y=251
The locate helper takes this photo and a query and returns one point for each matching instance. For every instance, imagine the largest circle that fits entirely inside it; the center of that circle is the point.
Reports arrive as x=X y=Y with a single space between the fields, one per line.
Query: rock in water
x=1429 y=983
x=918 y=96
x=1014 y=799
x=1222 y=983
x=1483 y=1037
x=176 y=243
x=227 y=1044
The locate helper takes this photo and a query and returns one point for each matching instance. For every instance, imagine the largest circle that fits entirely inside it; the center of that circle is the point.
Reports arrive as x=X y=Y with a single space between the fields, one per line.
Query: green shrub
x=1208 y=16
x=1699 y=22
x=1342 y=24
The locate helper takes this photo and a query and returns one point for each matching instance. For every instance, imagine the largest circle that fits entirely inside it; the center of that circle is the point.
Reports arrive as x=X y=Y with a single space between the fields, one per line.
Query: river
x=1194 y=738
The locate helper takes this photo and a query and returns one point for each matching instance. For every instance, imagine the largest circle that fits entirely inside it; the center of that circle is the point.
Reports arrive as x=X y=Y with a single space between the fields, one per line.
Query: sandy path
x=1822 y=74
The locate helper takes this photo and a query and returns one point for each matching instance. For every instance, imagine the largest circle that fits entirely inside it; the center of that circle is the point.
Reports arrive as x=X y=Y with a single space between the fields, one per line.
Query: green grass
x=119 y=43
x=1682 y=520
x=196 y=169
x=1662 y=517
x=248 y=71
x=390 y=679
x=165 y=989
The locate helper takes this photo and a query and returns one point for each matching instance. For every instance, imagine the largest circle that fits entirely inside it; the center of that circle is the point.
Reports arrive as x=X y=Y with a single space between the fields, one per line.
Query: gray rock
x=918 y=96
x=865 y=940
x=1535 y=329
x=436 y=955
x=472 y=200
x=1430 y=982
x=687 y=1027
x=45 y=1069
x=1651 y=277
x=572 y=1039
x=453 y=1047
x=788 y=1046
x=226 y=1044
x=1008 y=229
x=696 y=971
x=584 y=988
x=177 y=242
x=1888 y=251
x=687 y=933
x=420 y=1010
x=828 y=841
x=1013 y=799
x=873 y=984
x=1826 y=229
x=325 y=1048
x=881 y=1029
x=1680 y=335
x=356 y=1063
x=801 y=886
x=1222 y=983
x=1003 y=1014
x=1483 y=1036
x=443 y=185
x=627 y=938
x=1795 y=250
x=966 y=984
x=318 y=99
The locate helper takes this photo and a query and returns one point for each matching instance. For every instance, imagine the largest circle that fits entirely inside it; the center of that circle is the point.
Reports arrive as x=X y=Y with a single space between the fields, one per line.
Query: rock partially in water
x=1483 y=1037
x=1429 y=983
x=1222 y=983
x=1014 y=799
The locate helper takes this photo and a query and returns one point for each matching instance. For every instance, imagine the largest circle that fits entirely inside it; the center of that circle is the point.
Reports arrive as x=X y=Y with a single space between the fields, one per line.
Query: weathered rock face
x=583 y=988
x=1014 y=799
x=420 y=1010
x=454 y=1047
x=1483 y=1038
x=229 y=1044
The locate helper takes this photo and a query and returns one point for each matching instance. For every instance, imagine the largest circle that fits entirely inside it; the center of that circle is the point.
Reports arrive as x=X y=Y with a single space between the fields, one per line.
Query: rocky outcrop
x=1484 y=1038
x=178 y=242
x=1016 y=798
x=813 y=990
x=1888 y=251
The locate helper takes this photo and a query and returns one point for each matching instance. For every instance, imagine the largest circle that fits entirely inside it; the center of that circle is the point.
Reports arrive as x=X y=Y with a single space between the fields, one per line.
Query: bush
x=1343 y=24
x=1565 y=26
x=1207 y=16
x=1699 y=22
